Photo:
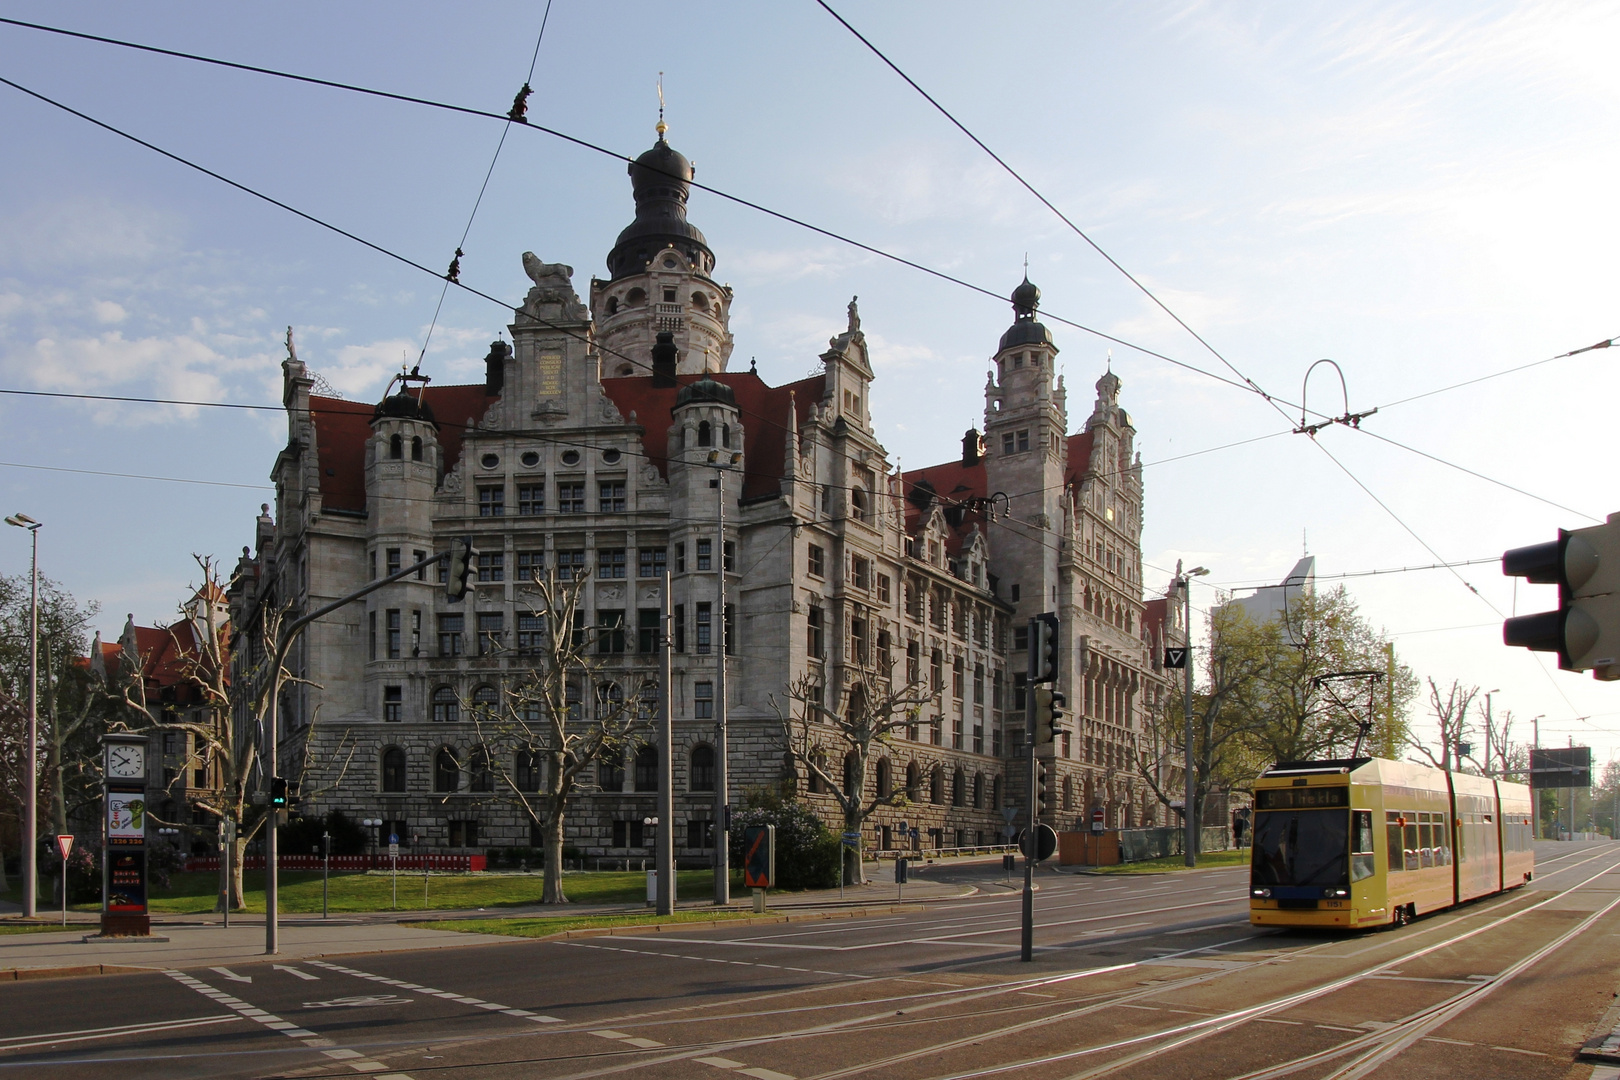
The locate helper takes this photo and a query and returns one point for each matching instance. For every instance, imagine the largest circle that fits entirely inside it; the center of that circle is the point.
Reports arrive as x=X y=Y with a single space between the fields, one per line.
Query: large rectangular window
x=530 y=565
x=610 y=496
x=451 y=628
x=531 y=629
x=491 y=566
x=609 y=632
x=393 y=705
x=647 y=630
x=679 y=619
x=571 y=498
x=703 y=701
x=531 y=499
x=394 y=627
x=610 y=563
x=817 y=561
x=705 y=557
x=652 y=564
x=569 y=564
x=491 y=628
x=815 y=642
x=492 y=501
x=393 y=561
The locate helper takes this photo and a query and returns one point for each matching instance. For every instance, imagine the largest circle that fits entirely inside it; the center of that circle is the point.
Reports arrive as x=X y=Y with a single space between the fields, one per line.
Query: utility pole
x=1189 y=841
x=722 y=802
x=1488 y=694
x=30 y=837
x=1535 y=792
x=665 y=855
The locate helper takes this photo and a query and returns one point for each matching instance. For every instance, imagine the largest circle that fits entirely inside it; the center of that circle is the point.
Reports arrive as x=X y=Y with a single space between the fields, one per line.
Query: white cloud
x=106 y=311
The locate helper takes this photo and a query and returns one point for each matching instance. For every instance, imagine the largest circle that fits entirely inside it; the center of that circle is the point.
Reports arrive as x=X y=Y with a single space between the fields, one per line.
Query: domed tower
x=1026 y=452
x=402 y=470
x=659 y=277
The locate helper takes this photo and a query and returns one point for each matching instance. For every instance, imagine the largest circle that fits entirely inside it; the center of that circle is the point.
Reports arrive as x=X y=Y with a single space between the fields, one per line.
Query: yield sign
x=1175 y=658
x=64 y=844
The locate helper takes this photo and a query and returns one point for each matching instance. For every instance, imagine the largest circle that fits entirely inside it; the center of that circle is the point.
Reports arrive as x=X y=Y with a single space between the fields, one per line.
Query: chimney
x=663 y=359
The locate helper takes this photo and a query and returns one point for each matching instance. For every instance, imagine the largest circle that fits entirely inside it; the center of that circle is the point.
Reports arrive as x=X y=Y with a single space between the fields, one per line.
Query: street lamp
x=722 y=463
x=30 y=809
x=373 y=824
x=1189 y=841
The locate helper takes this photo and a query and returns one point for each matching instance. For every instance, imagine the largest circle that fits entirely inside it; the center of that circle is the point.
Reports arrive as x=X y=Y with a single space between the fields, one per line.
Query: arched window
x=701 y=776
x=635 y=296
x=1068 y=793
x=484 y=701
x=396 y=446
x=885 y=779
x=610 y=772
x=700 y=301
x=725 y=436
x=416 y=448
x=913 y=781
x=705 y=434
x=936 y=786
x=446 y=773
x=978 y=791
x=446 y=709
x=483 y=778
x=647 y=769
x=816 y=786
x=857 y=504
x=959 y=788
x=393 y=769
x=613 y=305
x=853 y=787
x=995 y=794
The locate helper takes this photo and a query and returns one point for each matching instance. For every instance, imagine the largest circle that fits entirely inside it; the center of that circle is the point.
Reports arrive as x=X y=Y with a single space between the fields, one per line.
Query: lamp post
x=1189 y=841
x=30 y=809
x=722 y=463
x=1488 y=694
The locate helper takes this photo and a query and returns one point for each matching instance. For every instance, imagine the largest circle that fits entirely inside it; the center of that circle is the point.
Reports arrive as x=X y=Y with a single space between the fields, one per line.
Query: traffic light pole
x=1026 y=948
x=665 y=860
x=272 y=739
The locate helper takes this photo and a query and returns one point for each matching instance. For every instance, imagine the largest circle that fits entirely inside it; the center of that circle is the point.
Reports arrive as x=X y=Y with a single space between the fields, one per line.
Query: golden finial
x=662 y=127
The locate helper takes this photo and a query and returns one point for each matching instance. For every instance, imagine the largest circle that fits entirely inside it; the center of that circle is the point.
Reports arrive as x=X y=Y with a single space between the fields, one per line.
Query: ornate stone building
x=592 y=443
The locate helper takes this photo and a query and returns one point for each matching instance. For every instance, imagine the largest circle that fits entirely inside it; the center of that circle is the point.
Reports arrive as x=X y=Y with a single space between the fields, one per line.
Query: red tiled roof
x=342 y=428
x=763 y=411
x=1079 y=455
x=1153 y=614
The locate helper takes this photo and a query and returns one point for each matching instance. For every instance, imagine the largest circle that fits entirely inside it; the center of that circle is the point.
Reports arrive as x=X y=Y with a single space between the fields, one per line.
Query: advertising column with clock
x=123 y=875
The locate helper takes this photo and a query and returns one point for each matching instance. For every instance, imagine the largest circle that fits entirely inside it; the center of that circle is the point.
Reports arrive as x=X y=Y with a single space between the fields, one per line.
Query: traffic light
x=463 y=560
x=1041 y=778
x=1043 y=648
x=278 y=793
x=1048 y=716
x=1585 y=630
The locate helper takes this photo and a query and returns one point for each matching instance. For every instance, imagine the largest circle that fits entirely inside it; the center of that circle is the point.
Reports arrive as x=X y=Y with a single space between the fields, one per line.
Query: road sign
x=393 y=838
x=902 y=828
x=1567 y=767
x=1097 y=819
x=1009 y=830
x=759 y=856
x=900 y=869
x=1175 y=657
x=1045 y=842
x=393 y=850
x=851 y=839
x=1010 y=813
x=64 y=844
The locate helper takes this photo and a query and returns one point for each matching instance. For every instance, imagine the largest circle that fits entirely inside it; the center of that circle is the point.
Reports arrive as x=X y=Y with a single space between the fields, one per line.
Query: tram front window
x=1301 y=847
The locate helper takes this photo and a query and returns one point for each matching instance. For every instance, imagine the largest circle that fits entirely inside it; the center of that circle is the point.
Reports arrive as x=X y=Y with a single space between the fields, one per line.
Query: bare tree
x=565 y=713
x=1450 y=711
x=874 y=708
x=224 y=721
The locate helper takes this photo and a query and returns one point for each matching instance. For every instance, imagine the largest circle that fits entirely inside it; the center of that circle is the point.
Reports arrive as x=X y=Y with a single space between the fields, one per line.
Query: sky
x=1422 y=193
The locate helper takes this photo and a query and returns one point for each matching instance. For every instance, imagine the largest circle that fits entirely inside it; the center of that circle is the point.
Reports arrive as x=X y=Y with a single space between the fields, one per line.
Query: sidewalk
x=201 y=940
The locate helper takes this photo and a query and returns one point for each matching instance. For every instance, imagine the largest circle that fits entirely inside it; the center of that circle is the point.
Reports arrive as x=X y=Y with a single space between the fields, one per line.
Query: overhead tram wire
x=519 y=105
x=1478 y=475
x=1604 y=344
x=1248 y=383
x=596 y=148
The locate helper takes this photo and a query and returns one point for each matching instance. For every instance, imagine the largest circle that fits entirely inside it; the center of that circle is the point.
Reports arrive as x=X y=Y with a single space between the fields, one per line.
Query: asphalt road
x=1151 y=976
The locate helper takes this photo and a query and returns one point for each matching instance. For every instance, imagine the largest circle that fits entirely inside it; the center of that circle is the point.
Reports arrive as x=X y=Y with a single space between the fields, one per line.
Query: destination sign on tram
x=1298 y=798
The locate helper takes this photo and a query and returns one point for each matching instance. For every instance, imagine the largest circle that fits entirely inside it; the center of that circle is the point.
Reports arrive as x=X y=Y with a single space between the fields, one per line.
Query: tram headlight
x=1260 y=894
x=1336 y=893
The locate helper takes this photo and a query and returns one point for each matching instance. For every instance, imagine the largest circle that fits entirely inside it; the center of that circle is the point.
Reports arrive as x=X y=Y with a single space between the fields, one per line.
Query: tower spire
x=661 y=127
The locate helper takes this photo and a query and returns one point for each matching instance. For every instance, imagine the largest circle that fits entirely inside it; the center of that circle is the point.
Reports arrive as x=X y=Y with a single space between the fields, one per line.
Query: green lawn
x=1206 y=861
x=194 y=893
x=541 y=927
x=9 y=926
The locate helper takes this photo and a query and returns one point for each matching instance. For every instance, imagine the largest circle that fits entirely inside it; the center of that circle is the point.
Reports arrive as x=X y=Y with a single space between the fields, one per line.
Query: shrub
x=807 y=852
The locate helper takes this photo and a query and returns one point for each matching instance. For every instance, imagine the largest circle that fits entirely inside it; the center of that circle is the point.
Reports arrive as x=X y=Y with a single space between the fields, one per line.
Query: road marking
x=352 y=1058
x=446 y=994
x=716 y=960
x=231 y=975
x=1290 y=1023
x=53 y=1038
x=361 y=1001
x=293 y=971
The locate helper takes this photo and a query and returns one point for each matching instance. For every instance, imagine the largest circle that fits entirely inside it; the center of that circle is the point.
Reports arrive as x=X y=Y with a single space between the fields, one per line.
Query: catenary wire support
x=1325 y=682
x=1349 y=419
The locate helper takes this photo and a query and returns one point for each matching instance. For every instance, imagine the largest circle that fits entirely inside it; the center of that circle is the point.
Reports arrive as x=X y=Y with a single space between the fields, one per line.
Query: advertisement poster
x=126 y=817
x=126 y=881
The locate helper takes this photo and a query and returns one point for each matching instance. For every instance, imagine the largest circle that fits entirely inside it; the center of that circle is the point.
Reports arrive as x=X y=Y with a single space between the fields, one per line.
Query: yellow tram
x=1362 y=842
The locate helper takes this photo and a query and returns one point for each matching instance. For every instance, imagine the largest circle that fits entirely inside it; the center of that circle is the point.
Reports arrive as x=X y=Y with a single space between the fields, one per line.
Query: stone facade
x=604 y=437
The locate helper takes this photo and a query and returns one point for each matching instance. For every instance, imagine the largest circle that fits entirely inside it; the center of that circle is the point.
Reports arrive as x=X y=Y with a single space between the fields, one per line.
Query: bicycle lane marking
x=352 y=1058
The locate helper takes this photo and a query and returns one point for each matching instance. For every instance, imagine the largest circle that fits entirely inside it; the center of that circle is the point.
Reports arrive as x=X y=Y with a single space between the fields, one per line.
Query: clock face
x=126 y=762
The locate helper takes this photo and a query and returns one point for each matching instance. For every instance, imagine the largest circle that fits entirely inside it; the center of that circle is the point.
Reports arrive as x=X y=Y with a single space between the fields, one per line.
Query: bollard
x=652 y=887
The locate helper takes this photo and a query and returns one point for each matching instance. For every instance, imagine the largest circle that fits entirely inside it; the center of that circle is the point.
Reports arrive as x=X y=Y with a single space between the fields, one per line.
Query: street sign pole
x=326 y=868
x=64 y=844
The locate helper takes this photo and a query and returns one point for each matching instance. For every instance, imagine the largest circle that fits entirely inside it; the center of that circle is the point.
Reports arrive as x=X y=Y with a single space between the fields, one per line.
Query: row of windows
x=611 y=563
x=531 y=498
x=479 y=773
x=609 y=636
x=446 y=705
x=978 y=791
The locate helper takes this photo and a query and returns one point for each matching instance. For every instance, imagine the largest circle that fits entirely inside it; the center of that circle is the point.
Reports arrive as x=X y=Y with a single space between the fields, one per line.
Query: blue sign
x=393 y=838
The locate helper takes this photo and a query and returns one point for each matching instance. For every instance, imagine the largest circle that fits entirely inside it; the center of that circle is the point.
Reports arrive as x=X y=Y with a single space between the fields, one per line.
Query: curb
x=707 y=924
x=28 y=974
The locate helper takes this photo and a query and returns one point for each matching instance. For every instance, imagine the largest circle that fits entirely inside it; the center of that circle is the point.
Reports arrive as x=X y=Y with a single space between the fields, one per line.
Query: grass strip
x=1210 y=860
x=521 y=926
x=9 y=927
